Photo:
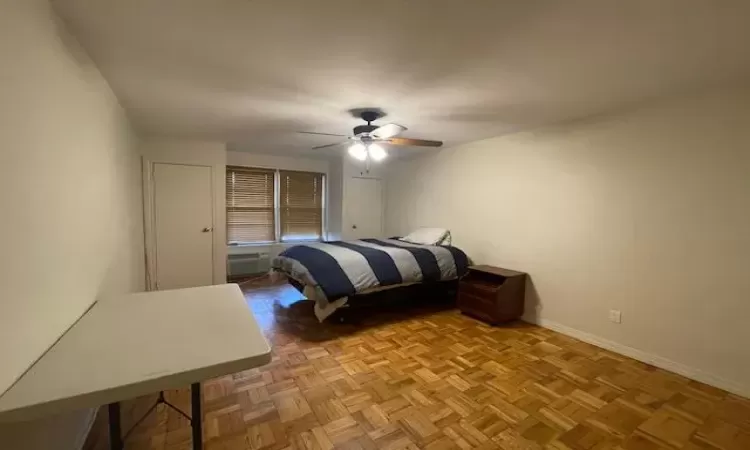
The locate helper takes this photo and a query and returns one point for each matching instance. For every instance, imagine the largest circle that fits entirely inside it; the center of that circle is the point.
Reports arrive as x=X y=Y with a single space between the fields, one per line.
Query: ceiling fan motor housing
x=360 y=129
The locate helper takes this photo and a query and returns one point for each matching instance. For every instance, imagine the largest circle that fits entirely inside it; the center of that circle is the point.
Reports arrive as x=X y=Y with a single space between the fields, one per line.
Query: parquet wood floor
x=438 y=380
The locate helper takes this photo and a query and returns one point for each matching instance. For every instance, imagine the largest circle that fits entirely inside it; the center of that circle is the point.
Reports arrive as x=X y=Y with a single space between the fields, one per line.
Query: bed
x=335 y=274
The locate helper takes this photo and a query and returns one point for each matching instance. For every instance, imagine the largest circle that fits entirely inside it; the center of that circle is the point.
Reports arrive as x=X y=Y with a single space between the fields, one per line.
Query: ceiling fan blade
x=328 y=145
x=321 y=134
x=414 y=142
x=388 y=130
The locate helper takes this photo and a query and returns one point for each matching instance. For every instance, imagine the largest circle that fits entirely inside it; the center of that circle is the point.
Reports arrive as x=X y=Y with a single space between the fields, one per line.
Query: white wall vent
x=248 y=264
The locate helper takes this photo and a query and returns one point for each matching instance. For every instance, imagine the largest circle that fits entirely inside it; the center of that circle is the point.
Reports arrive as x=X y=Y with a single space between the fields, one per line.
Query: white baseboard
x=648 y=358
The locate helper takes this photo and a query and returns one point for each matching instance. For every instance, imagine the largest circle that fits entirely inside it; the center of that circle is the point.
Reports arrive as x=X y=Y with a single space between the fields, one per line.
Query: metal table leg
x=115 y=432
x=116 y=438
x=196 y=418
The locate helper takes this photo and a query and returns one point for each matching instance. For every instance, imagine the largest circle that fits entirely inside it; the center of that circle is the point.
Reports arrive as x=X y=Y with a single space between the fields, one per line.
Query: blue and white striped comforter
x=345 y=268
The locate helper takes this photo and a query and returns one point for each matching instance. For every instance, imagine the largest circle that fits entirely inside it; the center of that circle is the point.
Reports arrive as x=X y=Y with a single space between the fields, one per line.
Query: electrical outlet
x=615 y=316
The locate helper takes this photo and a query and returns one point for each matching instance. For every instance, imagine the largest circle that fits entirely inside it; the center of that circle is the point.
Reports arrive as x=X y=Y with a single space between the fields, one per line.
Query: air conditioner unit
x=248 y=264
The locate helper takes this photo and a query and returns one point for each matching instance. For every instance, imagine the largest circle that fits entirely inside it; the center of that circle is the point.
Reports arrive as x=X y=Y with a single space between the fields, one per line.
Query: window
x=250 y=200
x=266 y=205
x=301 y=206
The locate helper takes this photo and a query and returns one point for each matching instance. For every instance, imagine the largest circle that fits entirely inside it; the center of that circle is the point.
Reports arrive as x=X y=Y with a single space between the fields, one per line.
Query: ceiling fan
x=366 y=138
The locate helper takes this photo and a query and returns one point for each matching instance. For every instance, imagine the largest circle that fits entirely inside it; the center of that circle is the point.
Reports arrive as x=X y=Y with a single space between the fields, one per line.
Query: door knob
x=354 y=227
x=207 y=230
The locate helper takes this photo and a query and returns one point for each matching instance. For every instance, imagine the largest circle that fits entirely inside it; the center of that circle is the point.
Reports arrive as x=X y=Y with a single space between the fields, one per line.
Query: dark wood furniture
x=492 y=294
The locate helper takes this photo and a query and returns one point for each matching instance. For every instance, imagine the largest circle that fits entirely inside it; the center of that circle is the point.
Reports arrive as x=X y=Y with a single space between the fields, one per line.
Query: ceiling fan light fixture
x=377 y=153
x=358 y=151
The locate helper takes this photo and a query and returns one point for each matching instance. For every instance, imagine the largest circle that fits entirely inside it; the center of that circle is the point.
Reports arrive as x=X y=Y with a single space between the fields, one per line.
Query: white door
x=183 y=220
x=364 y=208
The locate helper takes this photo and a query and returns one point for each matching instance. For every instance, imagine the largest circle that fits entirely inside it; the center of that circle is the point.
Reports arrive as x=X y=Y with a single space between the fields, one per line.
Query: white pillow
x=426 y=236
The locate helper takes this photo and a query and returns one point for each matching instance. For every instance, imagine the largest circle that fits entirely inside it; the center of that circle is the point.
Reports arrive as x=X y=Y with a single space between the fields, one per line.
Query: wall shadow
x=532 y=302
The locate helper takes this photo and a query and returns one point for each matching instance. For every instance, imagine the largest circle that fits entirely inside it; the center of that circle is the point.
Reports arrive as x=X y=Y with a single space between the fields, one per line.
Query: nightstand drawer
x=478 y=289
x=477 y=306
x=468 y=299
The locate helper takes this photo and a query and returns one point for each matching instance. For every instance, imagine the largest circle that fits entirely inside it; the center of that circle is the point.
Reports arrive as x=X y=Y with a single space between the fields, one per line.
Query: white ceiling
x=252 y=72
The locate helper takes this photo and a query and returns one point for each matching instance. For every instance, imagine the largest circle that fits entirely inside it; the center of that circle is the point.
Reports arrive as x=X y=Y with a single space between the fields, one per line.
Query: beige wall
x=252 y=159
x=336 y=198
x=71 y=226
x=647 y=212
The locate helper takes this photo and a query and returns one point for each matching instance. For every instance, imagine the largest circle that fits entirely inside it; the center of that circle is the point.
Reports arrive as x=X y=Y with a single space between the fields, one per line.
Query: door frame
x=149 y=220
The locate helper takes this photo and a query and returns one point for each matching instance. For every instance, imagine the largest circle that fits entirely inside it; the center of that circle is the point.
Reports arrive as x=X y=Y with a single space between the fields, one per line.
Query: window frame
x=229 y=168
x=277 y=210
x=280 y=237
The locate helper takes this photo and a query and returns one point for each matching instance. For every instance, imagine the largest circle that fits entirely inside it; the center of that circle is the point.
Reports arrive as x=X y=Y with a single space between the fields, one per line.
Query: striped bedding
x=331 y=271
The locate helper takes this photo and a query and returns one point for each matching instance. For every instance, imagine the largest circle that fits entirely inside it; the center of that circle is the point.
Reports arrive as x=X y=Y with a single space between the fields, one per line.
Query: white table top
x=138 y=344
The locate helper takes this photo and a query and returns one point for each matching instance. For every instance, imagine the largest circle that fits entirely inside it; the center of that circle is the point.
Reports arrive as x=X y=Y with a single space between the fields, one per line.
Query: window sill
x=266 y=244
x=252 y=244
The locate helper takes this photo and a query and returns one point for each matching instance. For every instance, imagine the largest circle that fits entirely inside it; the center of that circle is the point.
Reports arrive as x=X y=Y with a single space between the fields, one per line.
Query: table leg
x=196 y=418
x=115 y=432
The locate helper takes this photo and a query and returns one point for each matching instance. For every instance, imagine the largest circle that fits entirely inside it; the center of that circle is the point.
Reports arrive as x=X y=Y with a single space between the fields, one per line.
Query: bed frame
x=437 y=295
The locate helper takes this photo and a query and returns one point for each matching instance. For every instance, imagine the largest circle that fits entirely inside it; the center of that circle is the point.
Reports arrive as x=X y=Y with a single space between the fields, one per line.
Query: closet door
x=183 y=225
x=363 y=209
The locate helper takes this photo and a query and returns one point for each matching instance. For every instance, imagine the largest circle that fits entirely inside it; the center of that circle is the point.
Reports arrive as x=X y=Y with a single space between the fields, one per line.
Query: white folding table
x=137 y=344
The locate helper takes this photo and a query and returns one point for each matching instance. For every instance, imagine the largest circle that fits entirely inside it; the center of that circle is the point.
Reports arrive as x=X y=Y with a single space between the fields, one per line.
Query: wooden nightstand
x=492 y=294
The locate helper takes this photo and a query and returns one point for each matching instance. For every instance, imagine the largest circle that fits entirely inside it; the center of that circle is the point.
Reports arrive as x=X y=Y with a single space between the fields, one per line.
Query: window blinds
x=250 y=211
x=300 y=205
